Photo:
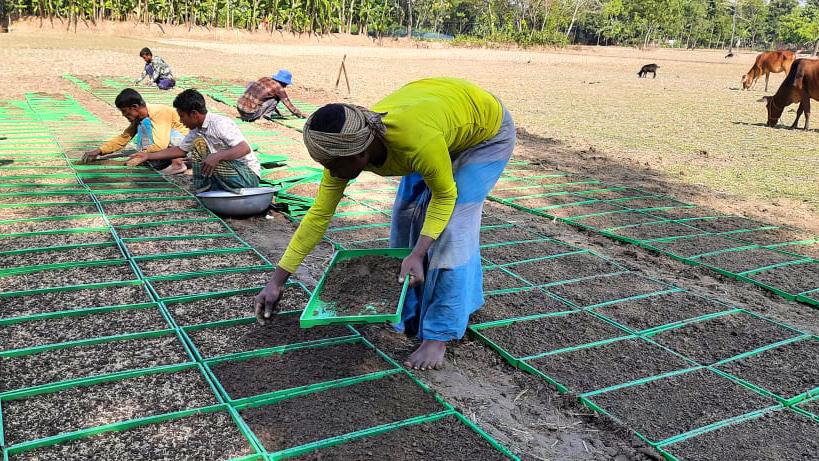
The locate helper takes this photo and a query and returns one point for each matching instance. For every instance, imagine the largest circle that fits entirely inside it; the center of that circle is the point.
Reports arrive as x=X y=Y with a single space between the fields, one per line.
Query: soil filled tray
x=499 y=279
x=50 y=224
x=673 y=405
x=142 y=195
x=616 y=220
x=211 y=283
x=531 y=337
x=203 y=436
x=360 y=234
x=614 y=194
x=506 y=234
x=793 y=279
x=536 y=203
x=123 y=179
x=206 y=262
x=517 y=304
x=599 y=367
x=811 y=406
x=656 y=231
x=44 y=257
x=359 y=220
x=660 y=310
x=650 y=203
x=304 y=419
x=787 y=370
x=85 y=361
x=370 y=245
x=725 y=224
x=174 y=229
x=722 y=337
x=52 y=240
x=811 y=249
x=687 y=247
x=155 y=247
x=77 y=408
x=133 y=206
x=776 y=436
x=564 y=268
x=41 y=180
x=19 y=306
x=296 y=368
x=57 y=330
x=157 y=217
x=294 y=298
x=46 y=211
x=308 y=189
x=524 y=251
x=282 y=330
x=511 y=194
x=773 y=236
x=606 y=288
x=571 y=211
x=746 y=260
x=446 y=439
x=46 y=198
x=359 y=287
x=66 y=277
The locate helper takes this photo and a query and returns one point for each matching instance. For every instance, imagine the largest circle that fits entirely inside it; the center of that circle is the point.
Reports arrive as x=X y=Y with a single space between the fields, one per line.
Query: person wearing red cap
x=262 y=96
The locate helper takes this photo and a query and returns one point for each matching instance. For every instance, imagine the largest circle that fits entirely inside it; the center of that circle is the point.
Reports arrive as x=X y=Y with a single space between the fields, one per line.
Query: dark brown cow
x=801 y=84
x=767 y=63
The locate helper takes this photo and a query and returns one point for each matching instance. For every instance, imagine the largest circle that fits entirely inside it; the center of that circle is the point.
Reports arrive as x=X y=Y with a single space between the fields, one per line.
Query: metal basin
x=250 y=201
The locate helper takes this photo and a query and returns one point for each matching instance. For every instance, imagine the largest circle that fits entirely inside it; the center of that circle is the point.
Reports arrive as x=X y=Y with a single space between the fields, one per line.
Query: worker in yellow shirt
x=450 y=140
x=153 y=127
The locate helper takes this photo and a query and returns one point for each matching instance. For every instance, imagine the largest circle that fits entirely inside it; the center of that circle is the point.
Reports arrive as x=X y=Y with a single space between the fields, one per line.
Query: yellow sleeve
x=161 y=122
x=315 y=222
x=434 y=164
x=120 y=141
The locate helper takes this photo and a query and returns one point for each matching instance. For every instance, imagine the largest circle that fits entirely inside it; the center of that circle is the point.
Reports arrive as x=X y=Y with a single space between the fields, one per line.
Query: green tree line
x=673 y=23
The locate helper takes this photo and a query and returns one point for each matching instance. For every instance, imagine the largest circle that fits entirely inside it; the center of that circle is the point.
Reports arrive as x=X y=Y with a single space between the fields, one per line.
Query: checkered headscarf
x=361 y=126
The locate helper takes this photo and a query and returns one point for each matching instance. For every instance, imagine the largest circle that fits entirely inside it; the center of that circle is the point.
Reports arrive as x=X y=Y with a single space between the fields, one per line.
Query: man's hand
x=90 y=156
x=267 y=301
x=301 y=115
x=137 y=159
x=412 y=266
x=210 y=162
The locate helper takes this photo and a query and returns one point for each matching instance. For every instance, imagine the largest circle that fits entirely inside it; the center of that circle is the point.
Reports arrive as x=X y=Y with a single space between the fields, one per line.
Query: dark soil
x=498 y=279
x=517 y=304
x=300 y=420
x=660 y=310
x=359 y=220
x=363 y=286
x=48 y=180
x=352 y=208
x=616 y=220
x=48 y=331
x=134 y=206
x=811 y=249
x=794 y=279
x=283 y=330
x=155 y=247
x=39 y=258
x=656 y=231
x=568 y=267
x=19 y=306
x=786 y=371
x=112 y=179
x=723 y=337
x=593 y=368
x=777 y=436
x=524 y=251
x=296 y=368
x=548 y=201
x=51 y=240
x=175 y=229
x=415 y=443
x=122 y=185
x=687 y=247
x=607 y=288
x=773 y=236
x=508 y=183
x=615 y=194
x=582 y=210
x=47 y=211
x=82 y=407
x=211 y=283
x=746 y=260
x=510 y=194
x=649 y=203
x=358 y=235
x=236 y=306
x=141 y=195
x=369 y=245
x=489 y=220
x=169 y=266
x=65 y=277
x=48 y=225
x=531 y=337
x=203 y=436
x=506 y=234
x=811 y=406
x=673 y=405
x=49 y=198
x=166 y=216
x=684 y=213
x=725 y=224
x=83 y=361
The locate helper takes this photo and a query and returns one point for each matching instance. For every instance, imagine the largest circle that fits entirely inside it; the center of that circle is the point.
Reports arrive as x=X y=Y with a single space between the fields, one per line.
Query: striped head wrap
x=361 y=126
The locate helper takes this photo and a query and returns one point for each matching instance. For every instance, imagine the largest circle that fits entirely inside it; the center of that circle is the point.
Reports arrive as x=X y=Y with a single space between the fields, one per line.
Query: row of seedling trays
x=780 y=259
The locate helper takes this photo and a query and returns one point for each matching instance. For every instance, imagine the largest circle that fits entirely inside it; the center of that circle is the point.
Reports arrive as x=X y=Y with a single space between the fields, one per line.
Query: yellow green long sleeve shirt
x=429 y=122
x=163 y=120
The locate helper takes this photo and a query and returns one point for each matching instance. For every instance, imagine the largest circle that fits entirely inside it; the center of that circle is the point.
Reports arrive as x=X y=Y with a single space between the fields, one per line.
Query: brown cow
x=801 y=84
x=767 y=63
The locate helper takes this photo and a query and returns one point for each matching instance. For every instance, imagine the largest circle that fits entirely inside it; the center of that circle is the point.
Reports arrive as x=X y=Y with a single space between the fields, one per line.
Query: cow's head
x=746 y=82
x=774 y=111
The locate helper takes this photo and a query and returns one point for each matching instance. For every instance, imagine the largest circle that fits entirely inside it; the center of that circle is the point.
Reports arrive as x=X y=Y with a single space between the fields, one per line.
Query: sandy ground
x=689 y=132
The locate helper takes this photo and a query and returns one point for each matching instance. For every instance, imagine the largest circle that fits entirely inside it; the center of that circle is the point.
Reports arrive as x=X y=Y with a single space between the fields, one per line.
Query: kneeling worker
x=262 y=96
x=221 y=156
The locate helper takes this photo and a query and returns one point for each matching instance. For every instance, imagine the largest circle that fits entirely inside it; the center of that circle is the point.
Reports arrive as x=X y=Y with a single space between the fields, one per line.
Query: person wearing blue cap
x=262 y=96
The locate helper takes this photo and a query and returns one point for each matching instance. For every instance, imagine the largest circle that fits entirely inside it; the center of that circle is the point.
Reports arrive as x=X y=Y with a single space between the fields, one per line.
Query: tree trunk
x=409 y=22
x=4 y=17
x=733 y=28
x=574 y=17
x=816 y=48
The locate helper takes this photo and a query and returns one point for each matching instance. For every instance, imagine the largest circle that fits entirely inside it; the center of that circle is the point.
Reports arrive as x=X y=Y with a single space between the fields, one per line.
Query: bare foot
x=428 y=356
x=174 y=168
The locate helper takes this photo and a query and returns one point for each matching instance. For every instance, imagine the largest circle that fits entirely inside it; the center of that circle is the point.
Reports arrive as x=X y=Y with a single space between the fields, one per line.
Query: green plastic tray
x=319 y=312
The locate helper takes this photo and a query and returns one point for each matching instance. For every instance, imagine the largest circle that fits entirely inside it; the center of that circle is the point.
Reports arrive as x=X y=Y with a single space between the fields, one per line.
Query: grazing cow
x=767 y=63
x=648 y=68
x=801 y=84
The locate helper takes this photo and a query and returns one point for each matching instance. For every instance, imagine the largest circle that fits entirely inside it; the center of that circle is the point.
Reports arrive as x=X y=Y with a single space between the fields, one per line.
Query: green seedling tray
x=319 y=312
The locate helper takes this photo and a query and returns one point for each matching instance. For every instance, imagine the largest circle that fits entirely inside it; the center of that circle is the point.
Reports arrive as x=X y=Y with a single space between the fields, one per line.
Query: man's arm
x=119 y=141
x=282 y=95
x=142 y=76
x=165 y=154
x=236 y=152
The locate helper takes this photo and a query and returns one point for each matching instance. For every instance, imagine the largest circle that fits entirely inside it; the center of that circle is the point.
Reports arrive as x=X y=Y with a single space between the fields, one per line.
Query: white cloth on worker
x=221 y=133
